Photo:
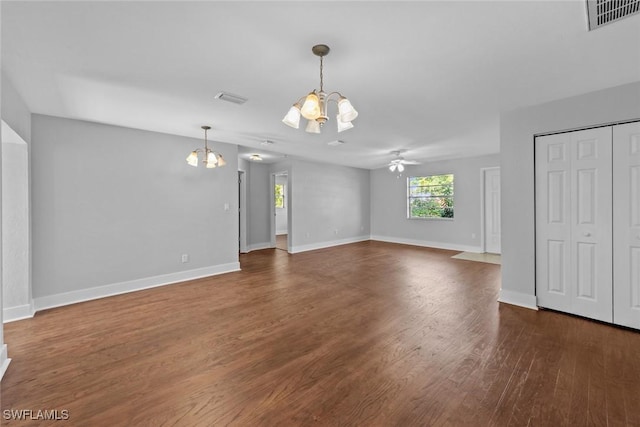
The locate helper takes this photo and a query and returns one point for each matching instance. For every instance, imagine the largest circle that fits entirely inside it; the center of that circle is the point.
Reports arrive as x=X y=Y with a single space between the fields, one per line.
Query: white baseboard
x=518 y=298
x=259 y=246
x=322 y=245
x=4 y=361
x=428 y=244
x=281 y=232
x=19 y=312
x=82 y=295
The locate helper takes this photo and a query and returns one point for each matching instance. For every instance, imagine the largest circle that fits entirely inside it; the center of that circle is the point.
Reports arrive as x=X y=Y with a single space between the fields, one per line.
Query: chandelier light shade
x=314 y=107
x=210 y=158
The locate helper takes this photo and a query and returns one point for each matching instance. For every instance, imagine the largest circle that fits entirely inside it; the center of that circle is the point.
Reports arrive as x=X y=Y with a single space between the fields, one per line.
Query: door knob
x=586 y=234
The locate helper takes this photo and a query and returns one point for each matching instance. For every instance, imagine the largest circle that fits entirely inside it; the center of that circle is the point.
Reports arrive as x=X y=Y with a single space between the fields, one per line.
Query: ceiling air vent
x=236 y=99
x=603 y=12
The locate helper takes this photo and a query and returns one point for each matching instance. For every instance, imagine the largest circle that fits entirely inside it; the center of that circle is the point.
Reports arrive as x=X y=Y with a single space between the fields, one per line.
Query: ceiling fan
x=398 y=162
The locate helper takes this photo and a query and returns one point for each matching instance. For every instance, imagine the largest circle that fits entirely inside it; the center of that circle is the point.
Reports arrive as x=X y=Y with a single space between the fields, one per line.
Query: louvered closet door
x=573 y=223
x=626 y=212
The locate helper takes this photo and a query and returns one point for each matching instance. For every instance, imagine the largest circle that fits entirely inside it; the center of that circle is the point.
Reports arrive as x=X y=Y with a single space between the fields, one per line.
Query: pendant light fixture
x=210 y=158
x=314 y=107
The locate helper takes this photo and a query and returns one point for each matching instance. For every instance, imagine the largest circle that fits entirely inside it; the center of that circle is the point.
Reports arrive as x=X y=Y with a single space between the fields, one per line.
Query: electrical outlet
x=185 y=258
x=473 y=235
x=335 y=231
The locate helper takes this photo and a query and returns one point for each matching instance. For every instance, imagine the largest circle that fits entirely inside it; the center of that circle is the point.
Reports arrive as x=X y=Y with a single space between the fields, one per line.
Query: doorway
x=280 y=209
x=242 y=213
x=491 y=210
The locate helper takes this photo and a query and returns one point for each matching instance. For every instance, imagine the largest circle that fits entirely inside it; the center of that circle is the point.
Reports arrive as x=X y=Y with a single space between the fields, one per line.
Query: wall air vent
x=236 y=99
x=603 y=12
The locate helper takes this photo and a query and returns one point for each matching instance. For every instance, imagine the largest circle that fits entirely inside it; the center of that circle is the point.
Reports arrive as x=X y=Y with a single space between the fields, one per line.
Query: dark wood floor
x=369 y=334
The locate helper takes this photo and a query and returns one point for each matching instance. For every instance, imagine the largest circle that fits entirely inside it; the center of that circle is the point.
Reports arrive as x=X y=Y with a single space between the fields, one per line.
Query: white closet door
x=592 y=223
x=626 y=229
x=553 y=221
x=573 y=223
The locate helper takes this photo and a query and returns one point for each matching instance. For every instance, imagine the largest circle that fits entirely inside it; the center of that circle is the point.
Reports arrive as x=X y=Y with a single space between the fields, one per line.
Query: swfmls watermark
x=36 y=414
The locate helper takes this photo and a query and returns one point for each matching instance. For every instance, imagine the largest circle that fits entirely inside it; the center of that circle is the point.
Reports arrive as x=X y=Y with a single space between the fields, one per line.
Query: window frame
x=451 y=196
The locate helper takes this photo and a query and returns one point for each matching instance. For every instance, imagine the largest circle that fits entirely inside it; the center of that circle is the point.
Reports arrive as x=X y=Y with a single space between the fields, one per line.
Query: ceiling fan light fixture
x=400 y=167
x=393 y=167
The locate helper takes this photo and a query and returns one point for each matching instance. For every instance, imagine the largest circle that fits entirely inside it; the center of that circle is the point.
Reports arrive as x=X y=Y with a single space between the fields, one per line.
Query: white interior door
x=574 y=224
x=492 y=210
x=553 y=221
x=626 y=229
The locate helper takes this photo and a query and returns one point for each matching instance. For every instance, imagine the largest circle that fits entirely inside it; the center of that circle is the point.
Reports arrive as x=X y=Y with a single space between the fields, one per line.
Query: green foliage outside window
x=279 y=194
x=430 y=196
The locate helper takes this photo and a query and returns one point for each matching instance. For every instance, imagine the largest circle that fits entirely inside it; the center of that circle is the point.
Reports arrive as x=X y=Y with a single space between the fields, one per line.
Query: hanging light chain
x=321 y=74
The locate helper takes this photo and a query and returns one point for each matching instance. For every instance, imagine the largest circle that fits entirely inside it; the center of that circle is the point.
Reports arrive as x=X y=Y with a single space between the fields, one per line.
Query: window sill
x=431 y=219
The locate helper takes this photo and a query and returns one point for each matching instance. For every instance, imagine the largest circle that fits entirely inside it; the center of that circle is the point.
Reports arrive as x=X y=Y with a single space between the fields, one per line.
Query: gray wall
x=517 y=130
x=259 y=227
x=16 y=241
x=14 y=111
x=329 y=204
x=16 y=291
x=322 y=199
x=389 y=205
x=113 y=205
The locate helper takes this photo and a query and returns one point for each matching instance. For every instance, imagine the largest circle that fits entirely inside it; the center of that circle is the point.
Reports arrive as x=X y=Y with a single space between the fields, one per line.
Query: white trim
x=57 y=300
x=4 y=361
x=519 y=299
x=19 y=312
x=242 y=211
x=428 y=244
x=483 y=191
x=259 y=246
x=272 y=209
x=331 y=243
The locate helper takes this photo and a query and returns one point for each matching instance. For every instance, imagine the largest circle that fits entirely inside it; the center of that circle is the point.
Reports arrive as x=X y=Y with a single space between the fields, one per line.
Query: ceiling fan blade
x=410 y=162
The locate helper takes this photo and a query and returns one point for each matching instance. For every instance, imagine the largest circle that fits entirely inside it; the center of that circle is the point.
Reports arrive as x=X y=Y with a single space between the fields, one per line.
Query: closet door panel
x=591 y=265
x=553 y=226
x=626 y=229
x=573 y=223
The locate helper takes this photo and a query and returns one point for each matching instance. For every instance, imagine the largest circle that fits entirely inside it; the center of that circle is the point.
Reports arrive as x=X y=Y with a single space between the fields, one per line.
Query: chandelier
x=210 y=158
x=314 y=108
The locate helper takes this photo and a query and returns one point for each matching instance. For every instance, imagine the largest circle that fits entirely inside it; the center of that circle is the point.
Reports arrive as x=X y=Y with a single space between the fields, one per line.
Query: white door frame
x=483 y=237
x=242 y=211
x=272 y=208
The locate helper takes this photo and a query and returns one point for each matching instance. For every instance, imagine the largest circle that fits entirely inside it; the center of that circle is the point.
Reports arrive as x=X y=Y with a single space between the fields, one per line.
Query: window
x=430 y=196
x=279 y=194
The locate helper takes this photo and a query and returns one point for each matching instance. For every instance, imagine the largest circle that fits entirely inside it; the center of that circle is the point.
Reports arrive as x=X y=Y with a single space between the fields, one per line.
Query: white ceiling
x=427 y=77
